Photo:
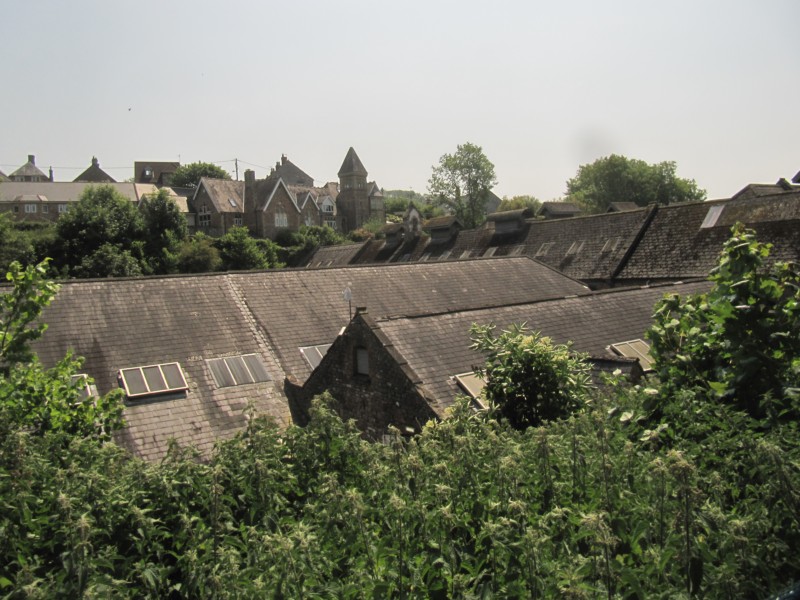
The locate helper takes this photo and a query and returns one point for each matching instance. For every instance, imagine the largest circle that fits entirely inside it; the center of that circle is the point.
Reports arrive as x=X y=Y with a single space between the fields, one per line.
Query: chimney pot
x=283 y=159
x=51 y=174
x=95 y=162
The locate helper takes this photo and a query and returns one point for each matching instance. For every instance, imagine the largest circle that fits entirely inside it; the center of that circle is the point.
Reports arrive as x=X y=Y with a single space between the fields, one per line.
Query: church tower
x=353 y=200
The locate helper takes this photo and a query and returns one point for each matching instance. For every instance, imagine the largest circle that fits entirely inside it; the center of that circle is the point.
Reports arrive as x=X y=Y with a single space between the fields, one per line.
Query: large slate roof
x=436 y=347
x=95 y=174
x=221 y=191
x=352 y=165
x=63 y=191
x=122 y=323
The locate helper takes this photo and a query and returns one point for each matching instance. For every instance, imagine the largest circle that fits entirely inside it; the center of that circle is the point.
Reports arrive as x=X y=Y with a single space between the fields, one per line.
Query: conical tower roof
x=352 y=165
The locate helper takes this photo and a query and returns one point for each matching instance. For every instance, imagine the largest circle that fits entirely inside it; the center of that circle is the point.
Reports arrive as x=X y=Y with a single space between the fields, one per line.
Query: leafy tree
x=190 y=175
x=616 y=178
x=741 y=340
x=461 y=183
x=164 y=229
x=518 y=202
x=239 y=251
x=198 y=255
x=528 y=377
x=34 y=398
x=103 y=221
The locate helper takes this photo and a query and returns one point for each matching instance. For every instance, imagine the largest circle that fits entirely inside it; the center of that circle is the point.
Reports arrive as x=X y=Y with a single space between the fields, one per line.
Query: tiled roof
x=300 y=308
x=291 y=174
x=64 y=191
x=121 y=323
x=436 y=347
x=559 y=208
x=29 y=169
x=95 y=174
x=352 y=165
x=622 y=206
x=222 y=191
x=676 y=245
x=442 y=222
x=336 y=256
x=158 y=170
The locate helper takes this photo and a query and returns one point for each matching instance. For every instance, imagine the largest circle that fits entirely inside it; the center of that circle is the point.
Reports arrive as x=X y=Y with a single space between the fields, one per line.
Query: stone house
x=218 y=204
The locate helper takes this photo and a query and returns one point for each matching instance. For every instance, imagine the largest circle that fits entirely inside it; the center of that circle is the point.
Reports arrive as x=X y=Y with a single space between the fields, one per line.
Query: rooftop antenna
x=347 y=294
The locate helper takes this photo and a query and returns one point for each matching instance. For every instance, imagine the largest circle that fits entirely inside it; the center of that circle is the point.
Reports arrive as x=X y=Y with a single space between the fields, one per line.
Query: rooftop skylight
x=238 y=370
x=164 y=378
x=638 y=349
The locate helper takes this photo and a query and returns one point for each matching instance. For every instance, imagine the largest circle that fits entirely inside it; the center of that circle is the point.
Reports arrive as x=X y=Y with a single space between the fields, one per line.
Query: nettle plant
x=741 y=340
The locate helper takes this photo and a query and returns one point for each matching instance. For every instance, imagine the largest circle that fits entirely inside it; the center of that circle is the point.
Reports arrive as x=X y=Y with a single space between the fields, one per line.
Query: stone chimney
x=249 y=176
x=32 y=159
x=283 y=159
x=51 y=174
x=95 y=162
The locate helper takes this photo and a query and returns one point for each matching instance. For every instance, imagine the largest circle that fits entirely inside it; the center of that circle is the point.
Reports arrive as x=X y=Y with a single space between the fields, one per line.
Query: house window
x=62 y=208
x=328 y=208
x=87 y=390
x=16 y=209
x=362 y=361
x=331 y=223
x=204 y=217
x=237 y=219
x=575 y=248
x=238 y=370
x=45 y=208
x=309 y=221
x=542 y=251
x=30 y=208
x=153 y=379
x=472 y=385
x=281 y=219
x=611 y=245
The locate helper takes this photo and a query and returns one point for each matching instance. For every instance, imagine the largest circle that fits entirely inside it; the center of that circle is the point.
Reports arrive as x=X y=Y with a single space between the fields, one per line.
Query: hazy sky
x=543 y=87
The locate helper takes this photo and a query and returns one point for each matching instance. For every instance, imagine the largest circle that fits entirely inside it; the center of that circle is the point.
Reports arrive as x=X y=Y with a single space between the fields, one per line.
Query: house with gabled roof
x=29 y=172
x=94 y=174
x=290 y=173
x=219 y=204
x=192 y=352
x=403 y=370
x=158 y=173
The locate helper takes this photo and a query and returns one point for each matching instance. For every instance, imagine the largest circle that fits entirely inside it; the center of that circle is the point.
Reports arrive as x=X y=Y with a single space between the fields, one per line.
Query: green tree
x=529 y=378
x=518 y=202
x=190 y=175
x=741 y=340
x=164 y=229
x=239 y=251
x=105 y=222
x=616 y=178
x=461 y=183
x=34 y=398
x=198 y=255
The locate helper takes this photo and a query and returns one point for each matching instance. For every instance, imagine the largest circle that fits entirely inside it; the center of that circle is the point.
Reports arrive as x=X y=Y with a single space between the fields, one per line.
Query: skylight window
x=445 y=255
x=466 y=253
x=238 y=370
x=516 y=250
x=638 y=349
x=472 y=385
x=425 y=257
x=490 y=251
x=712 y=216
x=232 y=202
x=543 y=249
x=87 y=390
x=611 y=245
x=575 y=248
x=314 y=354
x=153 y=379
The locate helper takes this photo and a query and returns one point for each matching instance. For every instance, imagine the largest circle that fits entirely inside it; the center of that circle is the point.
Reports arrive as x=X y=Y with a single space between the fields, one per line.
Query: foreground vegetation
x=647 y=491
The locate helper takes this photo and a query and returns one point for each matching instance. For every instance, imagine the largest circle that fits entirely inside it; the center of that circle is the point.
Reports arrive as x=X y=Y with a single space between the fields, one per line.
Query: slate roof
x=622 y=206
x=95 y=174
x=291 y=174
x=560 y=209
x=222 y=191
x=336 y=256
x=29 y=169
x=676 y=246
x=67 y=191
x=121 y=323
x=160 y=171
x=436 y=346
x=352 y=165
x=298 y=308
x=442 y=222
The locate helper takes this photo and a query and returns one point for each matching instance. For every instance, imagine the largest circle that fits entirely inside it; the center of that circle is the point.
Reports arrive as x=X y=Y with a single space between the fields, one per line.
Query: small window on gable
x=490 y=251
x=314 y=354
x=362 y=361
x=153 y=379
x=712 y=216
x=472 y=385
x=238 y=370
x=544 y=248
x=635 y=349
